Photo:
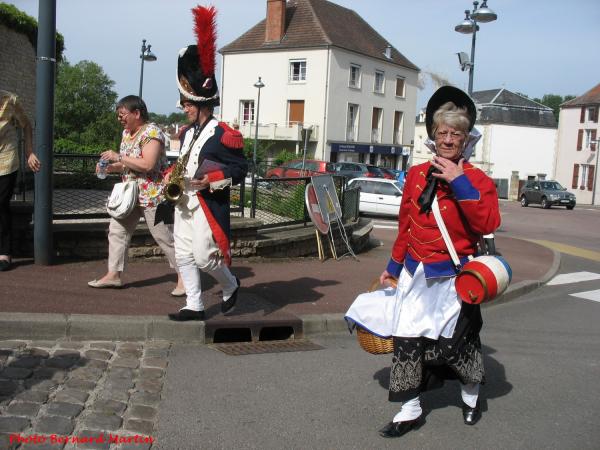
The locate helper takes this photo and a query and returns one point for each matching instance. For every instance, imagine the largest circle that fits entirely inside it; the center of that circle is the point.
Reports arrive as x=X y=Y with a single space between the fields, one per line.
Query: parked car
x=547 y=194
x=388 y=174
x=353 y=170
x=378 y=195
x=293 y=169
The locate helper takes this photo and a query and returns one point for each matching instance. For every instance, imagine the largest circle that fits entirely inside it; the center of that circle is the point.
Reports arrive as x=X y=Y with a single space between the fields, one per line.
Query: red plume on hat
x=196 y=63
x=205 y=28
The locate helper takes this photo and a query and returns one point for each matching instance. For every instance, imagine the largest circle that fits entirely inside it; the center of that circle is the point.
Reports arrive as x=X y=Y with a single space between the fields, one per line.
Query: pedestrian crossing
x=578 y=277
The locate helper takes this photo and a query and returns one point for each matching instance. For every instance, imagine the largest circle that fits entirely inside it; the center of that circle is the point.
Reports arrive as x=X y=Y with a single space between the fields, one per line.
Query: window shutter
x=593 y=138
x=575 y=176
x=590 y=180
x=582 y=115
x=579 y=139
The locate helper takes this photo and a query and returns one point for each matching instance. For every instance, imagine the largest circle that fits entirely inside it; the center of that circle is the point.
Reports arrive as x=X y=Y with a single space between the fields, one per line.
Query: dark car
x=353 y=170
x=388 y=174
x=547 y=194
x=293 y=169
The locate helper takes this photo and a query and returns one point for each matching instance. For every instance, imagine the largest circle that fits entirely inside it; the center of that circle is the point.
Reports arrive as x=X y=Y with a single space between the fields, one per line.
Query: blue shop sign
x=366 y=148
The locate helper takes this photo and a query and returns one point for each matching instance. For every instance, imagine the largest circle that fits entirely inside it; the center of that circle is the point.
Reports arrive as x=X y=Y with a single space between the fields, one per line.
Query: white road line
x=588 y=295
x=575 y=277
x=387 y=227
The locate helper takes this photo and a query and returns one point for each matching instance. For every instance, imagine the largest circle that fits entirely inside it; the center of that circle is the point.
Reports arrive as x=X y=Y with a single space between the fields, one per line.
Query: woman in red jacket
x=435 y=335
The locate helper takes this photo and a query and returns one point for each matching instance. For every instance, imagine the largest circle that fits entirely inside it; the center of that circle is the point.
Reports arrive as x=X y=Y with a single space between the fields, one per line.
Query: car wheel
x=524 y=201
x=570 y=207
x=545 y=204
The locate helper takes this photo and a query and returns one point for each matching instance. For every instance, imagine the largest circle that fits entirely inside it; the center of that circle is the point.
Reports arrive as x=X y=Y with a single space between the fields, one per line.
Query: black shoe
x=4 y=265
x=397 y=429
x=471 y=415
x=227 y=306
x=187 y=314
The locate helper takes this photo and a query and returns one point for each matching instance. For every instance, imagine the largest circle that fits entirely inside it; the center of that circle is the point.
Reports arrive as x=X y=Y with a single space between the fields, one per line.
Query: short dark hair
x=134 y=103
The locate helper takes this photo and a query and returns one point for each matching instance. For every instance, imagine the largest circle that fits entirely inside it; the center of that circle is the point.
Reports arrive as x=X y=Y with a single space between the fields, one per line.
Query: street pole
x=259 y=85
x=44 y=136
x=597 y=142
x=142 y=69
x=472 y=67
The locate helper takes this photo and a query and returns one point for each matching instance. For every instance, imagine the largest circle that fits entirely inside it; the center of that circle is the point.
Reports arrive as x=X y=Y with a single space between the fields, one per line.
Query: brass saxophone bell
x=173 y=191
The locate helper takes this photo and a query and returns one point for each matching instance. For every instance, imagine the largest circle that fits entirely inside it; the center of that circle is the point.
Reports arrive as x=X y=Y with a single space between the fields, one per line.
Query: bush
x=283 y=157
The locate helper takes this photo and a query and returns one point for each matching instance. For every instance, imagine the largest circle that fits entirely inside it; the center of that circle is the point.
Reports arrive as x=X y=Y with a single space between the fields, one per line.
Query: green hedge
x=18 y=21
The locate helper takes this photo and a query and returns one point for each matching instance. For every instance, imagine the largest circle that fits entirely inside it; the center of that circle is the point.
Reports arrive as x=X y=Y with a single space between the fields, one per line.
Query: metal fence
x=79 y=194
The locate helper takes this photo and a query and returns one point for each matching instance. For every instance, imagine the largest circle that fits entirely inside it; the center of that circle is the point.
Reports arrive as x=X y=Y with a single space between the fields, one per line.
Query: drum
x=482 y=279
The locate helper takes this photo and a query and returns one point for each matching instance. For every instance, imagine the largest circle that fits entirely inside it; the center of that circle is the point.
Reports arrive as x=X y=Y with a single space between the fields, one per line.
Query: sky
x=535 y=47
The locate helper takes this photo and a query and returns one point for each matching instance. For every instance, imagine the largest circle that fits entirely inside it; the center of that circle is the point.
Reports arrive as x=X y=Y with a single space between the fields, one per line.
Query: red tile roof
x=320 y=23
x=591 y=97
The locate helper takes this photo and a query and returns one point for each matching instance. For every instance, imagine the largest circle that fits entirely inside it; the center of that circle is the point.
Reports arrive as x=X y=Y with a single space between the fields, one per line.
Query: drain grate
x=253 y=348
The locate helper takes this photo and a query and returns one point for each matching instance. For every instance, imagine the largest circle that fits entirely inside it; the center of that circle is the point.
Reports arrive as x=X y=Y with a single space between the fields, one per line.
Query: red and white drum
x=482 y=279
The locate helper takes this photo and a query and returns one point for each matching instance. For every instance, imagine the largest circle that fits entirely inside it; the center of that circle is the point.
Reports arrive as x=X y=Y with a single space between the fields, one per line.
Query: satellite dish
x=314 y=210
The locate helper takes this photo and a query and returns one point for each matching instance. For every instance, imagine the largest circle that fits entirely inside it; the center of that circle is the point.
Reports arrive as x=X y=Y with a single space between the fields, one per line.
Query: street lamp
x=469 y=26
x=258 y=85
x=597 y=142
x=146 y=55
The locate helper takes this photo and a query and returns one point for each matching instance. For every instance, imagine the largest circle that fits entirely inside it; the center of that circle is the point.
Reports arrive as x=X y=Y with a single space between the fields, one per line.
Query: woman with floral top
x=142 y=158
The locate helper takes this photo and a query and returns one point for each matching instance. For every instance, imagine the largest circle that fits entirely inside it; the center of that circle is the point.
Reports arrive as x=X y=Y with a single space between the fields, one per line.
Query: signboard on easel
x=327 y=198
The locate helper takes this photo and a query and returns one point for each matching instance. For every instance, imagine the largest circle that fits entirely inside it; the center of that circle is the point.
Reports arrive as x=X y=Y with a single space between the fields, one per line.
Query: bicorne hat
x=449 y=94
x=196 y=63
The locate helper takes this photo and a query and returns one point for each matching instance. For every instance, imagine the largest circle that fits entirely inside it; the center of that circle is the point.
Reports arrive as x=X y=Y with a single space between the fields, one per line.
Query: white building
x=518 y=135
x=577 y=146
x=323 y=67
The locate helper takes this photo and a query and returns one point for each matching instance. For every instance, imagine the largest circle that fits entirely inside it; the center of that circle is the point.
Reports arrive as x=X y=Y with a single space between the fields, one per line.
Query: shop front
x=392 y=156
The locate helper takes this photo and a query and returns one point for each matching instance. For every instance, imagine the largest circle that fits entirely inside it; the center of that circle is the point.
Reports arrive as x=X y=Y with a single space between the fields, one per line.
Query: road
x=542 y=357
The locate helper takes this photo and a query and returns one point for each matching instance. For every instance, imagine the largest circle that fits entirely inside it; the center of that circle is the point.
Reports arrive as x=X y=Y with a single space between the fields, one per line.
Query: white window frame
x=403 y=94
x=357 y=83
x=377 y=138
x=382 y=74
x=588 y=138
x=251 y=104
x=301 y=74
x=398 y=133
x=583 y=172
x=352 y=127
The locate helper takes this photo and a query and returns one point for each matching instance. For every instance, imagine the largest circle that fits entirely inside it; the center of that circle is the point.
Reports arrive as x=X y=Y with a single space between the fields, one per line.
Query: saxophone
x=173 y=190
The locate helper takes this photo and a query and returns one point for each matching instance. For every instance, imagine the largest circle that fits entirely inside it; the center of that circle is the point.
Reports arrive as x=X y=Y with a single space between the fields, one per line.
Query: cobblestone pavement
x=74 y=395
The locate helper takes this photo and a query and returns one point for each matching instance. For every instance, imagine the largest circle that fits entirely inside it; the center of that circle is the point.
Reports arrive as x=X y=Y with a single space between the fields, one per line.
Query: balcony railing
x=276 y=132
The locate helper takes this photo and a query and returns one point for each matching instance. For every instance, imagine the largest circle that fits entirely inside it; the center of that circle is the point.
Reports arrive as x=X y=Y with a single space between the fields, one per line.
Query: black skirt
x=420 y=364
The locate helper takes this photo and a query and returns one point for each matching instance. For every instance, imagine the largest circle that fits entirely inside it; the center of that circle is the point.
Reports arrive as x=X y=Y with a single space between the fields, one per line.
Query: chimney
x=388 y=51
x=275 y=20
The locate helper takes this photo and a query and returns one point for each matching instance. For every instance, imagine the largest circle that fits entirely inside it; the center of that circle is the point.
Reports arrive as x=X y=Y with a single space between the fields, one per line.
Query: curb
x=33 y=326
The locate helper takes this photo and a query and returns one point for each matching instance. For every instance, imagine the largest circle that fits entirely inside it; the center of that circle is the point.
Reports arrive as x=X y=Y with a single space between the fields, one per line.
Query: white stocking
x=225 y=279
x=191 y=281
x=470 y=393
x=410 y=410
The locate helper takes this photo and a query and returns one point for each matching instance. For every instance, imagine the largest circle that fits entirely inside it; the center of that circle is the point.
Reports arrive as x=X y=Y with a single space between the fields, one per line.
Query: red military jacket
x=469 y=207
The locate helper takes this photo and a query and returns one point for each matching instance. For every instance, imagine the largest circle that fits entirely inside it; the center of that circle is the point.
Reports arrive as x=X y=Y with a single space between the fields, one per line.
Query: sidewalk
x=54 y=302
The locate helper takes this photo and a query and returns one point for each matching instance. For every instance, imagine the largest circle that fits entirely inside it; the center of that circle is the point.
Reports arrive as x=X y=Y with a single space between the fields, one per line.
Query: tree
x=84 y=107
x=554 y=101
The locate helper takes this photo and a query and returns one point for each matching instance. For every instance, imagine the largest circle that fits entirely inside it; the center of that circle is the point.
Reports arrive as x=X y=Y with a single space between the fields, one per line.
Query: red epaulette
x=231 y=138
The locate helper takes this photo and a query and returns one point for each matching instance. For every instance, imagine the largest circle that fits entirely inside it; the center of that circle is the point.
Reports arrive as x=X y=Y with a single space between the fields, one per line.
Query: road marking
x=388 y=225
x=569 y=249
x=575 y=277
x=588 y=295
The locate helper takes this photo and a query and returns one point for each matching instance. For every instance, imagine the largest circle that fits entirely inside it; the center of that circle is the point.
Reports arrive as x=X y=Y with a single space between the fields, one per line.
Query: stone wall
x=17 y=68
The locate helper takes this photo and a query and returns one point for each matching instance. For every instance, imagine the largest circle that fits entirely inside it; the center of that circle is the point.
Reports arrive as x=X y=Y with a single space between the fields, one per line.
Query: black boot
x=471 y=415
x=397 y=429
x=228 y=305
x=184 y=315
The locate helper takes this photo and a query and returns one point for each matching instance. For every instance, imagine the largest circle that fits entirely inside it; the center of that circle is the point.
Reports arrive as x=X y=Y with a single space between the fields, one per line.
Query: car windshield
x=551 y=185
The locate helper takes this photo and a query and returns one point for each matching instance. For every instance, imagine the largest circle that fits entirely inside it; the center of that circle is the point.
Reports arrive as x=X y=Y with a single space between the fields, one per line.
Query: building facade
x=327 y=71
x=517 y=143
x=576 y=158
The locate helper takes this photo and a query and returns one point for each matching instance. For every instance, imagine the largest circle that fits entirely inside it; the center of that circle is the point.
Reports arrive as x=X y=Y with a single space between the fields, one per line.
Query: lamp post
x=146 y=55
x=469 y=26
x=258 y=85
x=597 y=142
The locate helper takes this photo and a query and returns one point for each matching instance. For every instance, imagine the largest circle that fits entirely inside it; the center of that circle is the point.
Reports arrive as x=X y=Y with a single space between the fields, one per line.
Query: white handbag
x=122 y=199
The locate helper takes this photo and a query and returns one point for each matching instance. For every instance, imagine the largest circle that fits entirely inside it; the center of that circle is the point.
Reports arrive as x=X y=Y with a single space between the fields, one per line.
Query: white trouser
x=412 y=408
x=195 y=248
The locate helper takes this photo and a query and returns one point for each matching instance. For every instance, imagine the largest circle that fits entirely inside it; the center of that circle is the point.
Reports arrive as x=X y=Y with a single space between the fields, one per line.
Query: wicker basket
x=367 y=340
